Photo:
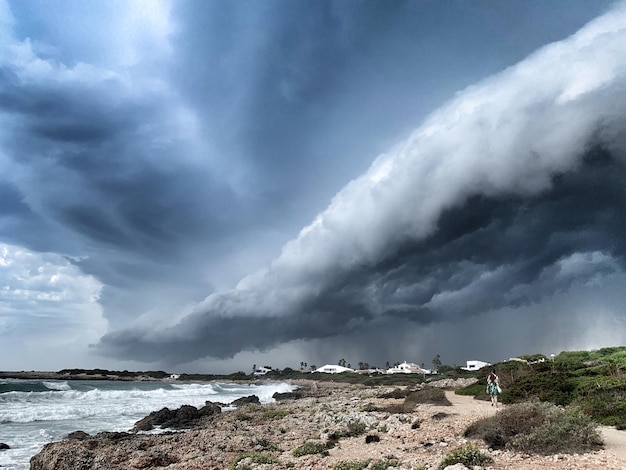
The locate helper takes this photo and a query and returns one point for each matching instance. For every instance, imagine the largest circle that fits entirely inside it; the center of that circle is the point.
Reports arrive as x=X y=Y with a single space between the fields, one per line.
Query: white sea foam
x=57 y=385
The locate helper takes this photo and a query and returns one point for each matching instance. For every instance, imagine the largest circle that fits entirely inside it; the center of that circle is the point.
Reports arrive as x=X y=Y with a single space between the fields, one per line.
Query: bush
x=274 y=414
x=254 y=458
x=604 y=399
x=468 y=456
x=564 y=431
x=265 y=444
x=557 y=388
x=430 y=395
x=369 y=407
x=309 y=448
x=355 y=428
x=540 y=428
x=352 y=465
x=385 y=464
x=476 y=390
x=244 y=416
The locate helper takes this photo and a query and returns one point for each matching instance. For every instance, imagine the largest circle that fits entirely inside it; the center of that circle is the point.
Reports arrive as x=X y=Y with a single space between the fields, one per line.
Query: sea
x=35 y=412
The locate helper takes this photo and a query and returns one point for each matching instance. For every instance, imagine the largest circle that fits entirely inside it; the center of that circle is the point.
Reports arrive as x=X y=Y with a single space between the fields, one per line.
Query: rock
x=113 y=436
x=78 y=435
x=4 y=446
x=185 y=417
x=295 y=395
x=245 y=400
x=210 y=409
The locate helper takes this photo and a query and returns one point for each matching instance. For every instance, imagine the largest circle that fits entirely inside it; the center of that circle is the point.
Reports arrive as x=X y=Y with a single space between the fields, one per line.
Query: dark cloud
x=520 y=243
x=490 y=204
x=170 y=154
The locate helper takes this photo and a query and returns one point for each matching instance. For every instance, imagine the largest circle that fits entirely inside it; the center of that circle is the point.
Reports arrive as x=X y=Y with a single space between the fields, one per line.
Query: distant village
x=398 y=368
x=403 y=368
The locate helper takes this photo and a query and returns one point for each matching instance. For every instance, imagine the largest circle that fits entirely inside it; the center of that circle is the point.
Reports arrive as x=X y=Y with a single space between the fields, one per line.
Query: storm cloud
x=509 y=193
x=205 y=185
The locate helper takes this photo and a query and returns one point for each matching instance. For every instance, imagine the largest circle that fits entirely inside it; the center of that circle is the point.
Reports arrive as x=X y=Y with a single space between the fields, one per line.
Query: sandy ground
x=614 y=441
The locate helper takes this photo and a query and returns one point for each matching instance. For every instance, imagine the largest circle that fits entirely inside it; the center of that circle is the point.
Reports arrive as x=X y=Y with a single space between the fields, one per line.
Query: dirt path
x=614 y=440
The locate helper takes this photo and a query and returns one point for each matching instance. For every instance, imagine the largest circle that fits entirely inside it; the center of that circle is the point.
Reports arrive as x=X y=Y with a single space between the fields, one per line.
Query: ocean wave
x=59 y=386
x=23 y=387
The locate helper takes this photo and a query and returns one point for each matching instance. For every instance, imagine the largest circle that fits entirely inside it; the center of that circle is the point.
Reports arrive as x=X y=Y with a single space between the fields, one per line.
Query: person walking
x=493 y=388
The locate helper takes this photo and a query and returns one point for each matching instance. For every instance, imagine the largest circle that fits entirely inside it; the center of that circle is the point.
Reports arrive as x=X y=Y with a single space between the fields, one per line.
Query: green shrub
x=384 y=464
x=557 y=388
x=604 y=399
x=309 y=448
x=265 y=444
x=540 y=428
x=355 y=428
x=255 y=458
x=369 y=407
x=273 y=414
x=352 y=465
x=399 y=408
x=564 y=431
x=244 y=417
x=430 y=395
x=477 y=390
x=468 y=456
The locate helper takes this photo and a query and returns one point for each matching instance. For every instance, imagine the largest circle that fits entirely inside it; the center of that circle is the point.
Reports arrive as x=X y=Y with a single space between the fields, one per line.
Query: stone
x=246 y=400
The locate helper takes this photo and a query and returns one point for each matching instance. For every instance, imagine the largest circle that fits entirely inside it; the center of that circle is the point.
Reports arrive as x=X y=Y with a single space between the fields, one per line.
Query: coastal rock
x=4 y=446
x=295 y=395
x=246 y=400
x=185 y=417
x=78 y=435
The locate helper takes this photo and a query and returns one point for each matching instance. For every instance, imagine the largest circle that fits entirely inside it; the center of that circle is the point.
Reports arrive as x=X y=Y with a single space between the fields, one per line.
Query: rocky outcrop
x=299 y=393
x=78 y=435
x=4 y=446
x=185 y=417
x=246 y=400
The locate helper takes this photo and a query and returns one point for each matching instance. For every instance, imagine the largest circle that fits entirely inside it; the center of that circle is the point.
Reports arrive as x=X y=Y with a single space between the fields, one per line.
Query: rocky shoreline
x=344 y=423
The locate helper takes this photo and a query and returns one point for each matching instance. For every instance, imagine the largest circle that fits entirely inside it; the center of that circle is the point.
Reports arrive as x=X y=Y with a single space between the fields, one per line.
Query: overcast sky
x=200 y=186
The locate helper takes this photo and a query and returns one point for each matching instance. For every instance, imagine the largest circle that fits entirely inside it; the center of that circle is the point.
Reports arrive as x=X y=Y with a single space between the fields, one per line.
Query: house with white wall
x=261 y=371
x=407 y=368
x=475 y=365
x=333 y=369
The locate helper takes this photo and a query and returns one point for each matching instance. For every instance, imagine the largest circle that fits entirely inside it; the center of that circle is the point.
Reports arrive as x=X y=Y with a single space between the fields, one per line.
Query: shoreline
x=422 y=436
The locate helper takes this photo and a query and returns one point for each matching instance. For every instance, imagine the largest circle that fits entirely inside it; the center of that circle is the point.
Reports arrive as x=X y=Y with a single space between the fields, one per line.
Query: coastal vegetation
x=469 y=456
x=538 y=428
x=592 y=381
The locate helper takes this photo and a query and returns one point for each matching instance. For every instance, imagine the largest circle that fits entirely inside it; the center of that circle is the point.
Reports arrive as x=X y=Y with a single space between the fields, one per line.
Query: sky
x=202 y=186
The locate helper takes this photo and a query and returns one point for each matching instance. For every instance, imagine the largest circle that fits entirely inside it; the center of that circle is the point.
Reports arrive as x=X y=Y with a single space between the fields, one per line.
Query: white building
x=261 y=371
x=333 y=369
x=407 y=368
x=475 y=365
